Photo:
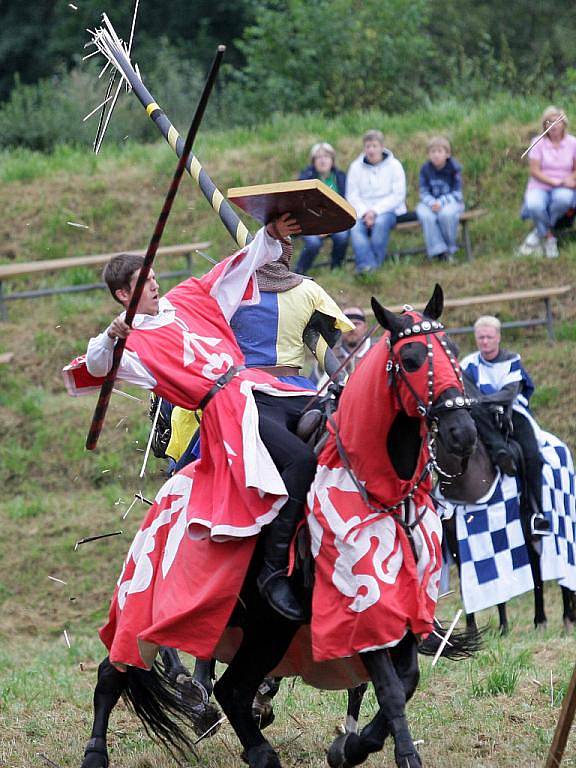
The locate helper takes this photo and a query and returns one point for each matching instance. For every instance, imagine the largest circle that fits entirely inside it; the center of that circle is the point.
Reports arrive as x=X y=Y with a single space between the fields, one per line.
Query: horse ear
x=436 y=304
x=387 y=319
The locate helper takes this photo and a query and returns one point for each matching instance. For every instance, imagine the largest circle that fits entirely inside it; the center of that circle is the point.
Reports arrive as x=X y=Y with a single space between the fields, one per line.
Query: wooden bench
x=538 y=294
x=413 y=226
x=20 y=269
x=465 y=218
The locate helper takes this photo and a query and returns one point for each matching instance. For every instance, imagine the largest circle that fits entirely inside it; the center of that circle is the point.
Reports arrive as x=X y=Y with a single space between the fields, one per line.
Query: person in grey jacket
x=376 y=188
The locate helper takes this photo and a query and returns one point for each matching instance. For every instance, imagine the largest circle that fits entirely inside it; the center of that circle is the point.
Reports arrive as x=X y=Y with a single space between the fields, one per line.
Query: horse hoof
x=335 y=755
x=95 y=754
x=204 y=715
x=262 y=756
x=504 y=630
x=411 y=760
x=540 y=626
x=262 y=711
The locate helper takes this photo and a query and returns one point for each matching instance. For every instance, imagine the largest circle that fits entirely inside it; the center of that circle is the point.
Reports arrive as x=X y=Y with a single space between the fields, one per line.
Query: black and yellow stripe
x=228 y=216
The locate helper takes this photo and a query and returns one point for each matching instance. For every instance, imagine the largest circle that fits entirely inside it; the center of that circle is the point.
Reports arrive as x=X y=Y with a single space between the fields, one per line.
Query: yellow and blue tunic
x=270 y=333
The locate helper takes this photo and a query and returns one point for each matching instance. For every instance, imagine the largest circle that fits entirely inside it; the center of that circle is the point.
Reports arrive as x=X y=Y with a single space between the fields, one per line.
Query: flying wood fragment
x=53 y=578
x=86 y=539
x=75 y=224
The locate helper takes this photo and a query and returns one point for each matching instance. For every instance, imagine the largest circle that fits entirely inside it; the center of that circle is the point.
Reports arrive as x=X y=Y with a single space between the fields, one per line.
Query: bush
x=331 y=56
x=50 y=112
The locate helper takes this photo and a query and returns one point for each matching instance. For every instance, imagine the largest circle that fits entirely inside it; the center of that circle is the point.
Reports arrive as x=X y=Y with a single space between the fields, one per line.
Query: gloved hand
x=497 y=413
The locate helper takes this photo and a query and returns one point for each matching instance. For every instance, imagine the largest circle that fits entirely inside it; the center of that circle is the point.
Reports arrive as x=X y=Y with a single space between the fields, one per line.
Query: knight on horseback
x=502 y=388
x=182 y=348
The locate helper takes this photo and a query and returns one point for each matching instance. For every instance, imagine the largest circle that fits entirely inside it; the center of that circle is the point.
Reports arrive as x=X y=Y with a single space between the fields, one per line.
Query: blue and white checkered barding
x=492 y=549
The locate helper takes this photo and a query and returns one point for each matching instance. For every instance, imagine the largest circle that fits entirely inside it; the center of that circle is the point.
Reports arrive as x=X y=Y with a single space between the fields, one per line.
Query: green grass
x=497 y=710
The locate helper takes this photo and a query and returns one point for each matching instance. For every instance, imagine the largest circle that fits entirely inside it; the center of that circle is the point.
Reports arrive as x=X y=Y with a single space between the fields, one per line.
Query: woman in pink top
x=550 y=190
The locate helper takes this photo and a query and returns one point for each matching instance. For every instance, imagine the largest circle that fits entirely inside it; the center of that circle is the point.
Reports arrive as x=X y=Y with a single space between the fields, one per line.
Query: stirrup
x=536 y=531
x=297 y=613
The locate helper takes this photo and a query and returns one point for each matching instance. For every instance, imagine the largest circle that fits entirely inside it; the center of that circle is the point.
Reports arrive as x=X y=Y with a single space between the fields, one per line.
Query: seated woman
x=323 y=166
x=550 y=190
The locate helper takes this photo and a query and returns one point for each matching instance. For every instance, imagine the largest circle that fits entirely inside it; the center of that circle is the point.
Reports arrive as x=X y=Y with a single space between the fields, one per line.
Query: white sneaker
x=530 y=245
x=551 y=248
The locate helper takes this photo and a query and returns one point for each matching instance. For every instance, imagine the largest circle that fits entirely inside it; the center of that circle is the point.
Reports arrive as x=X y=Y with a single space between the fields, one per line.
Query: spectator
x=323 y=166
x=503 y=389
x=550 y=190
x=354 y=340
x=441 y=201
x=376 y=187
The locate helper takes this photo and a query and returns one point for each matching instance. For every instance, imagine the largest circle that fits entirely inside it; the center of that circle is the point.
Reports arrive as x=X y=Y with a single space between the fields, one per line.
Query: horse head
x=424 y=371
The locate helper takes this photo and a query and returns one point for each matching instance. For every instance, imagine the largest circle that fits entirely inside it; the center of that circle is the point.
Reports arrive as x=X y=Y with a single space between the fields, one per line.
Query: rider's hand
x=283 y=226
x=118 y=329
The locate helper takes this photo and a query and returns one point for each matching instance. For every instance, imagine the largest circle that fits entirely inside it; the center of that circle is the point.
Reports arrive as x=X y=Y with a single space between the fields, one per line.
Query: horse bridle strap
x=394 y=368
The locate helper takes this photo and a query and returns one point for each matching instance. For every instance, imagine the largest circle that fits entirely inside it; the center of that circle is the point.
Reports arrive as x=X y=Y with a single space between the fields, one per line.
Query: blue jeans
x=440 y=228
x=312 y=245
x=370 y=246
x=546 y=206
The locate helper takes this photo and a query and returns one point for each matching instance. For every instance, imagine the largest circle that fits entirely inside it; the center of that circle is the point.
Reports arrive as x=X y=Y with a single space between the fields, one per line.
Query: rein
x=427 y=410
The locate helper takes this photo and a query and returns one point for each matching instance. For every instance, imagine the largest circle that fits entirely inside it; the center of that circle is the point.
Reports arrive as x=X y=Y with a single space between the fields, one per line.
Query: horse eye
x=412 y=356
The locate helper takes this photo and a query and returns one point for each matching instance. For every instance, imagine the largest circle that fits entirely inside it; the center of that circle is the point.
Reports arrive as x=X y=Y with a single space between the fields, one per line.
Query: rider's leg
x=297 y=464
x=524 y=435
x=492 y=438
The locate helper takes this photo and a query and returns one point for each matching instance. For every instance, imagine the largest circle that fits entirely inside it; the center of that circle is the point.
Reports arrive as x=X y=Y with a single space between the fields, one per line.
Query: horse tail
x=460 y=645
x=164 y=712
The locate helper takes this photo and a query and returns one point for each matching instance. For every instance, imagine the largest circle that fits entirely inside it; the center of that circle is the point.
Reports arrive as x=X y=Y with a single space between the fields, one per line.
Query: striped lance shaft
x=116 y=54
x=106 y=390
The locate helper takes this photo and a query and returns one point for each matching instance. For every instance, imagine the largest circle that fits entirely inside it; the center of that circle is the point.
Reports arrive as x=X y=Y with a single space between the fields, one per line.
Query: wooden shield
x=317 y=208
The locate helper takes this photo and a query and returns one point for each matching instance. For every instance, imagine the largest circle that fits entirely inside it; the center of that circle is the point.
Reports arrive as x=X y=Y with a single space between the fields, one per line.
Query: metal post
x=549 y=319
x=467 y=243
x=3 y=307
x=188 y=257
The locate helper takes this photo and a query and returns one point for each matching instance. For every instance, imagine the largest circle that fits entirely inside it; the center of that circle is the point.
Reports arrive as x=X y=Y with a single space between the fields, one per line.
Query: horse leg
x=262 y=709
x=355 y=697
x=395 y=677
x=265 y=641
x=568 y=609
x=195 y=689
x=540 y=620
x=503 y=619
x=108 y=689
x=173 y=664
x=204 y=673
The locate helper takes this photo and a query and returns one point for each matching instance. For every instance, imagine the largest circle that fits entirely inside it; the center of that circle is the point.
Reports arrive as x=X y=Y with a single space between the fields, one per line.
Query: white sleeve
x=233 y=286
x=398 y=195
x=353 y=192
x=99 y=357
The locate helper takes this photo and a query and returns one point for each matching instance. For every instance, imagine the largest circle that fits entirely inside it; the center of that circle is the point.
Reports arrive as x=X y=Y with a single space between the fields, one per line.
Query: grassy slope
x=54 y=493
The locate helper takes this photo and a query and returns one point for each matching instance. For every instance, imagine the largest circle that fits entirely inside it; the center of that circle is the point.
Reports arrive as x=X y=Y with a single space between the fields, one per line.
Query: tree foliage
x=333 y=54
x=39 y=39
x=283 y=56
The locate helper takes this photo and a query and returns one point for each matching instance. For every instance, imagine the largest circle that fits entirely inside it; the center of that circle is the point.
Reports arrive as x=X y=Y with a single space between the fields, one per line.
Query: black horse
x=465 y=483
x=419 y=400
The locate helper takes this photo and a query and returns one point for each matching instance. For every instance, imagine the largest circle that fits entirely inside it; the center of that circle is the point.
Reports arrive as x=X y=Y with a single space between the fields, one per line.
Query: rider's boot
x=273 y=581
